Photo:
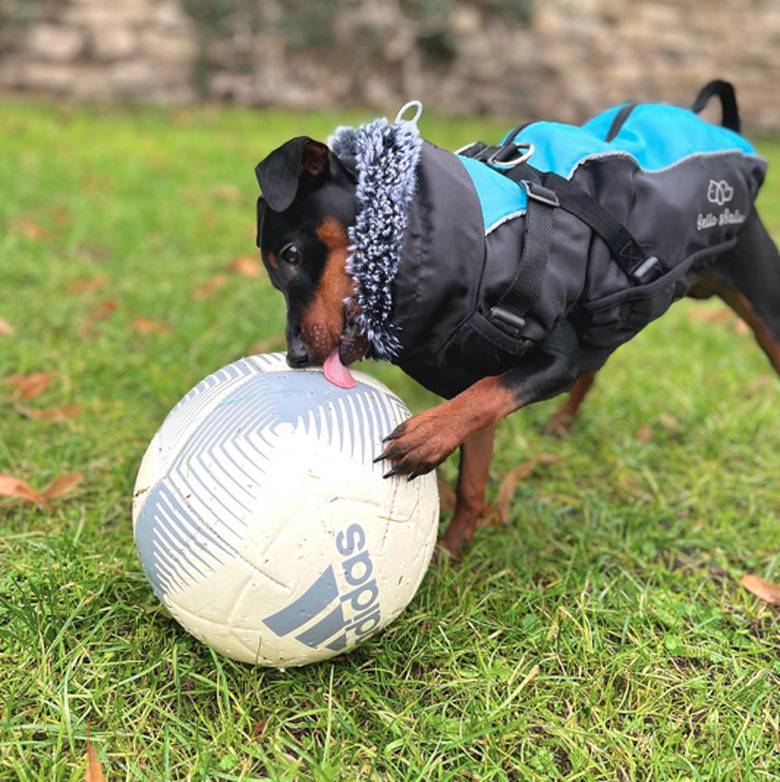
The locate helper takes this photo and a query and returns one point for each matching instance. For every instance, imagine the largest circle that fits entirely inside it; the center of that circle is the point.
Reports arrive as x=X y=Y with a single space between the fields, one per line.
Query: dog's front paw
x=418 y=445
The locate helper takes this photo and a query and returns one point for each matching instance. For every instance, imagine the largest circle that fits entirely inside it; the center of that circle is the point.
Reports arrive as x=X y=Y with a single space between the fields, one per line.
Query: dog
x=383 y=246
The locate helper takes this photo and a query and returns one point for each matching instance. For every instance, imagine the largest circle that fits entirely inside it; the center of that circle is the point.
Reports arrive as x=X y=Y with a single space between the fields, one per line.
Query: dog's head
x=308 y=203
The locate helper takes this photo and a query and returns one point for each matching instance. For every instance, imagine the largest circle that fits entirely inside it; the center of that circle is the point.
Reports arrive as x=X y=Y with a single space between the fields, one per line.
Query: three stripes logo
x=322 y=600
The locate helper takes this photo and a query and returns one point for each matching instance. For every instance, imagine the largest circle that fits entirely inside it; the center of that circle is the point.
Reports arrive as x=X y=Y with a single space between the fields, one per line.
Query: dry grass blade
x=507 y=488
x=11 y=486
x=6 y=329
x=30 y=386
x=62 y=485
x=766 y=590
x=51 y=413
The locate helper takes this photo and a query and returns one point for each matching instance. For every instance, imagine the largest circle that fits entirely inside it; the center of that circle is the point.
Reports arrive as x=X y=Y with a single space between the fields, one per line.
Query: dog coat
x=463 y=262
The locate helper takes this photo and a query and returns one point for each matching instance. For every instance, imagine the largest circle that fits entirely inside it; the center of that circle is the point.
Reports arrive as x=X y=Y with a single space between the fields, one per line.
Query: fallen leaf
x=212 y=286
x=30 y=386
x=62 y=485
x=766 y=590
x=669 y=423
x=645 y=434
x=259 y=729
x=228 y=193
x=104 y=311
x=89 y=285
x=28 y=228
x=6 y=329
x=147 y=326
x=50 y=413
x=268 y=345
x=94 y=771
x=762 y=381
x=246 y=267
x=10 y=486
x=741 y=327
x=507 y=488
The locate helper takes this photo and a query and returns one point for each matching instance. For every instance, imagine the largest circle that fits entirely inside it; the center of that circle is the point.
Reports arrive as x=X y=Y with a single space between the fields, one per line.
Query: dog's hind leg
x=747 y=278
x=561 y=422
x=475 y=454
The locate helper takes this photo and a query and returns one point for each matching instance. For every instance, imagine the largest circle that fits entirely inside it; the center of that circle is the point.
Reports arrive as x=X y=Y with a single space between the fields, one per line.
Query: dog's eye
x=290 y=254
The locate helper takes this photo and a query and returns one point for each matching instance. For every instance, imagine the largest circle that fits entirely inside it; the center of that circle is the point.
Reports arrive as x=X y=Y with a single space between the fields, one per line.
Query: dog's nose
x=297 y=356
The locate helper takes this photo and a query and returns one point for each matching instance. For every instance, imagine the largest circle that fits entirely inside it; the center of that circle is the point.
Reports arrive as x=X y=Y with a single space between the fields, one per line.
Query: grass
x=603 y=635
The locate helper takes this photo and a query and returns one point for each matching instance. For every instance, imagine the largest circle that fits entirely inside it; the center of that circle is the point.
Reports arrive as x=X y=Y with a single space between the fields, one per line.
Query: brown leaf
x=762 y=381
x=94 y=771
x=62 y=485
x=259 y=729
x=766 y=590
x=6 y=329
x=28 y=228
x=11 y=486
x=268 y=345
x=104 y=311
x=229 y=193
x=210 y=287
x=147 y=326
x=50 y=413
x=89 y=285
x=507 y=488
x=30 y=386
x=246 y=267
x=645 y=434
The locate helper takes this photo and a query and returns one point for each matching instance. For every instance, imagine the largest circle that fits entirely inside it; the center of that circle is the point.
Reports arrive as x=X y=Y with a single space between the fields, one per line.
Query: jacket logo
x=356 y=609
x=719 y=192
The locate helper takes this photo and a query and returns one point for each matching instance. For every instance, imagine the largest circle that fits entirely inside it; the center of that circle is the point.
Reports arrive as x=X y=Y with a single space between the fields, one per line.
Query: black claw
x=379 y=458
x=391 y=473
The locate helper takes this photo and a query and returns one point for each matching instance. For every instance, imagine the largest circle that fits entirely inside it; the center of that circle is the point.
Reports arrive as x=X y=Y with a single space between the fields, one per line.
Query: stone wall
x=561 y=59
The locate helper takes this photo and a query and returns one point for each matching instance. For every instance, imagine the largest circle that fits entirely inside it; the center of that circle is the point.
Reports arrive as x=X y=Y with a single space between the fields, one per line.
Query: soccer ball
x=264 y=526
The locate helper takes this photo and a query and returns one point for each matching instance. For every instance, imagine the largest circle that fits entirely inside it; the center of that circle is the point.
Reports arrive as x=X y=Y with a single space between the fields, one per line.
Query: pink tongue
x=336 y=372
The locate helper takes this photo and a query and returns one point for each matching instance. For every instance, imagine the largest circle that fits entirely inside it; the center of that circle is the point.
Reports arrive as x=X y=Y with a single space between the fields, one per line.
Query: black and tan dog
x=506 y=275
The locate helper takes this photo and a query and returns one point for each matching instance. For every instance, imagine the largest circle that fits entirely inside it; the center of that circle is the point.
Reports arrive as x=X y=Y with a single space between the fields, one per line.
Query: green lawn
x=602 y=636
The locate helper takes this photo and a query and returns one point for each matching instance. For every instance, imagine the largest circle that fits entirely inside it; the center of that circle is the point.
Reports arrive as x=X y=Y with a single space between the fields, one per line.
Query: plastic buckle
x=507 y=318
x=648 y=270
x=543 y=195
x=497 y=158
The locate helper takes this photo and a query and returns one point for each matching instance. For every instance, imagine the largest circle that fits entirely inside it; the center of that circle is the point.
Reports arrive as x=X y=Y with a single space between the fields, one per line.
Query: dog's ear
x=299 y=160
x=261 y=207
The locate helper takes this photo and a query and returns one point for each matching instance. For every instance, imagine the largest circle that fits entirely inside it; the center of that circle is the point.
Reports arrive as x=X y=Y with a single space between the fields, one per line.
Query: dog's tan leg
x=475 y=454
x=561 y=422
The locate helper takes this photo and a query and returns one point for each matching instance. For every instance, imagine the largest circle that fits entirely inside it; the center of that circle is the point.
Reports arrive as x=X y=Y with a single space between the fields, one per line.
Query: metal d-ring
x=515 y=161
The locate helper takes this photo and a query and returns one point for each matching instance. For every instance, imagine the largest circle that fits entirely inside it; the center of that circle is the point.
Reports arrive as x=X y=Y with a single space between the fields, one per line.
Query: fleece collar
x=386 y=157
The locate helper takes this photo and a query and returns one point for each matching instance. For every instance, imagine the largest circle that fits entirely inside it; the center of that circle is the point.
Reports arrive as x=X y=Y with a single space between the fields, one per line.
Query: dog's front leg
x=425 y=440
x=475 y=453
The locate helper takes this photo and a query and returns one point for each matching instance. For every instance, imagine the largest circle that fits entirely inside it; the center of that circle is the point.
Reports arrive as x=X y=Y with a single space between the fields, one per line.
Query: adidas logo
x=355 y=612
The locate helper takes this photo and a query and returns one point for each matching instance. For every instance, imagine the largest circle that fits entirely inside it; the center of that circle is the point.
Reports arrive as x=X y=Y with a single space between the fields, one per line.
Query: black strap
x=728 y=98
x=509 y=313
x=625 y=250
